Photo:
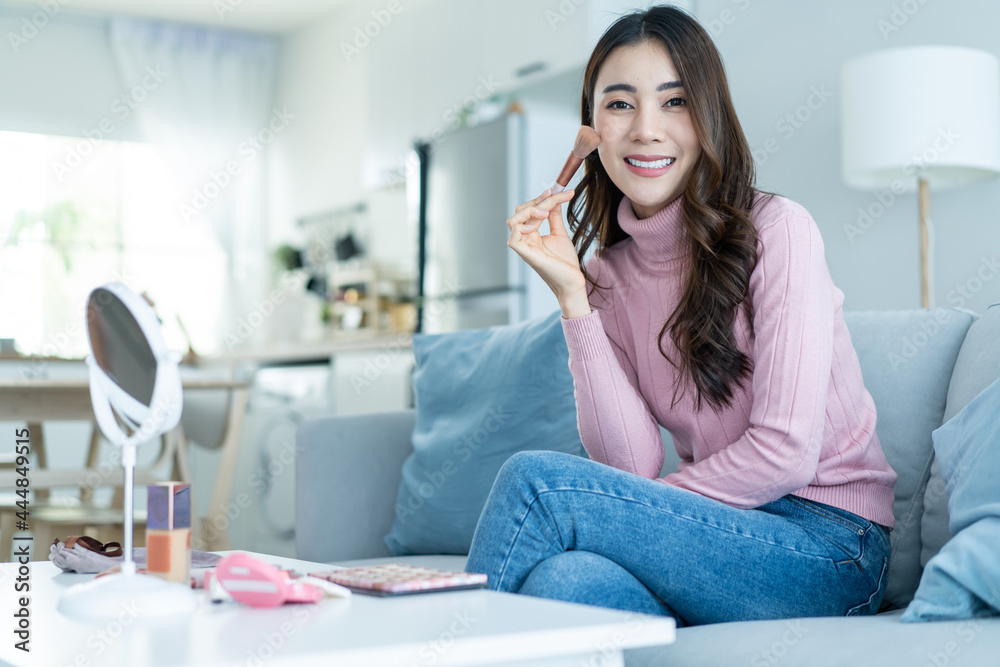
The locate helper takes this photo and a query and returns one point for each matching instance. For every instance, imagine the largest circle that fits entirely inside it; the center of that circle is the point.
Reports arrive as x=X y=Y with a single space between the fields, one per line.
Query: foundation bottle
x=168 y=531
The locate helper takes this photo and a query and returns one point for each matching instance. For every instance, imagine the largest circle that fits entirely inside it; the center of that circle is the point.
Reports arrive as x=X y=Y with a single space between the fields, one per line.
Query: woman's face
x=648 y=144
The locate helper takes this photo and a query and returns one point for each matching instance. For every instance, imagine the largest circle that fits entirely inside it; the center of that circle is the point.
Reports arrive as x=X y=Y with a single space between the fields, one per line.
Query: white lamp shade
x=928 y=111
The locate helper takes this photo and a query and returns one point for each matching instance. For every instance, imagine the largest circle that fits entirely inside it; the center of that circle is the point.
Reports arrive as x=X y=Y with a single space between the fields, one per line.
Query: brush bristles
x=587 y=141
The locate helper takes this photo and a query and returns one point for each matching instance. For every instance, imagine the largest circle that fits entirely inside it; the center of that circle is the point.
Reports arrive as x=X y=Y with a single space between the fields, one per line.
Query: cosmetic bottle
x=168 y=531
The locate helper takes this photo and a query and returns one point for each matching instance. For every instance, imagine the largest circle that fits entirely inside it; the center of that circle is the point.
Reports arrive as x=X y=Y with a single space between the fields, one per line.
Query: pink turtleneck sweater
x=804 y=424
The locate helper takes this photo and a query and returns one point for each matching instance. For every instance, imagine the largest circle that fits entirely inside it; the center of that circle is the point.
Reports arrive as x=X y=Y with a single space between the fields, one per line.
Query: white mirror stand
x=103 y=599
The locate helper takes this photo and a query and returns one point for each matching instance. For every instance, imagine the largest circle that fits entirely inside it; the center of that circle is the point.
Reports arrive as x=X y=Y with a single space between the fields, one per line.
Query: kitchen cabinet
x=529 y=41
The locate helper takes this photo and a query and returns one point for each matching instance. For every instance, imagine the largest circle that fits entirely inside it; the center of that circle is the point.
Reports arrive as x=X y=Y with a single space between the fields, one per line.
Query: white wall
x=776 y=54
x=317 y=164
x=314 y=165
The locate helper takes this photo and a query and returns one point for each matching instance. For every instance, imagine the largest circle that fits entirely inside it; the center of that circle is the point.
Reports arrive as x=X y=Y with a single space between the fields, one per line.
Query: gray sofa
x=921 y=367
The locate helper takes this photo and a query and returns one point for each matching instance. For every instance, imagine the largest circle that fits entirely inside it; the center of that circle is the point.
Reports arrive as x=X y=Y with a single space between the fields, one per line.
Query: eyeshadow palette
x=401 y=579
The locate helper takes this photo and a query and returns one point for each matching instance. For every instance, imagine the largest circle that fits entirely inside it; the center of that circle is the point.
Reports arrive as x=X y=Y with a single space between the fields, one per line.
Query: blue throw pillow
x=481 y=396
x=963 y=579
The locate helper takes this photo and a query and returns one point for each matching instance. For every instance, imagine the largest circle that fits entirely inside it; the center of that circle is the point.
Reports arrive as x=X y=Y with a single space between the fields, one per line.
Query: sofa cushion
x=977 y=366
x=907 y=359
x=828 y=641
x=480 y=396
x=963 y=579
x=347 y=472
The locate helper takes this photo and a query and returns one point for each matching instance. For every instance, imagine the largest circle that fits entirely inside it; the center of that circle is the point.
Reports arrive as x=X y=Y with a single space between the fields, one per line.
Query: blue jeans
x=565 y=527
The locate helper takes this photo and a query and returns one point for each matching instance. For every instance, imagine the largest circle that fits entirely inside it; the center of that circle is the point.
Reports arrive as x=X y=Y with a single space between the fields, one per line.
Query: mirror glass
x=120 y=348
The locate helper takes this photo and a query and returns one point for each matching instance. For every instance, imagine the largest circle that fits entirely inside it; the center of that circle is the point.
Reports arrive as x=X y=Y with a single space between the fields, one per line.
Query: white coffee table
x=471 y=627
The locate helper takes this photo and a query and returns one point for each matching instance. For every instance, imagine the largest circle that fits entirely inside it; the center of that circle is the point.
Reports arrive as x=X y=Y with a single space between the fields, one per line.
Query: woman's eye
x=620 y=104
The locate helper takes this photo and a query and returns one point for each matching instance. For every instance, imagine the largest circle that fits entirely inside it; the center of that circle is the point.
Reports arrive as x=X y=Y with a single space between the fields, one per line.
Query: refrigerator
x=467 y=184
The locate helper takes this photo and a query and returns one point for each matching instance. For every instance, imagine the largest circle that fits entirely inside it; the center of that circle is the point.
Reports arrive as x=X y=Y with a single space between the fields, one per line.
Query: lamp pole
x=924 y=203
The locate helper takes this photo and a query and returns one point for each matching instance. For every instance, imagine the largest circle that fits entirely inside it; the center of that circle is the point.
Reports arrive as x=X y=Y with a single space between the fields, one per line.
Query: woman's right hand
x=553 y=257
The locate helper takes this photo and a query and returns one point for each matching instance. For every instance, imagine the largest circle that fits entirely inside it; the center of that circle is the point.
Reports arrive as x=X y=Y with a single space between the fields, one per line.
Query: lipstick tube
x=168 y=531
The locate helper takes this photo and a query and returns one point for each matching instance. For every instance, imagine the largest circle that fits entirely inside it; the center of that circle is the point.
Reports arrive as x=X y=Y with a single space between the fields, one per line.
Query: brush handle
x=556 y=189
x=562 y=180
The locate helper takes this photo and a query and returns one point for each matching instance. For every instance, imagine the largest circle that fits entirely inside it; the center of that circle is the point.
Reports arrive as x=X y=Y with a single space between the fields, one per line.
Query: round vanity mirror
x=135 y=389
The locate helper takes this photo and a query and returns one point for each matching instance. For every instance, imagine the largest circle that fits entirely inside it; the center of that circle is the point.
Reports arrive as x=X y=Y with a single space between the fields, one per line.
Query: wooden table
x=298 y=352
x=36 y=400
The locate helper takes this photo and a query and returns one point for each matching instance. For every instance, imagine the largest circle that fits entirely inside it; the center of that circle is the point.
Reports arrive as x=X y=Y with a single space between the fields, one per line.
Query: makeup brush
x=587 y=141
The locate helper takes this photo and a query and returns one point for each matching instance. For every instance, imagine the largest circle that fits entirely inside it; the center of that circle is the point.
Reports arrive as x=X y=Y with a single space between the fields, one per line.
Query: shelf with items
x=353 y=301
x=397 y=296
x=369 y=300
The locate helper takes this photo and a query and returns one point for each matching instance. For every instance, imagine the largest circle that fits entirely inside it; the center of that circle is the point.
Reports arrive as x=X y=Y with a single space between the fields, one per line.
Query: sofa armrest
x=348 y=469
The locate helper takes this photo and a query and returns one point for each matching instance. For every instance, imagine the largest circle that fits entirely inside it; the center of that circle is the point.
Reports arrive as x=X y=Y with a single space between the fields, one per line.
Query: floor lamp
x=917 y=117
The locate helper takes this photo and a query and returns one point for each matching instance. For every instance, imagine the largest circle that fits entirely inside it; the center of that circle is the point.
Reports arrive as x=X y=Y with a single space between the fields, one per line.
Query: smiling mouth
x=654 y=164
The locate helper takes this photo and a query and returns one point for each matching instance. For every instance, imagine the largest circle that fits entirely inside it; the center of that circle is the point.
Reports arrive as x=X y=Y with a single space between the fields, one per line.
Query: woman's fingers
x=552 y=257
x=530 y=215
x=550 y=202
x=533 y=201
x=552 y=207
x=546 y=200
x=556 y=226
x=516 y=238
x=526 y=221
x=539 y=209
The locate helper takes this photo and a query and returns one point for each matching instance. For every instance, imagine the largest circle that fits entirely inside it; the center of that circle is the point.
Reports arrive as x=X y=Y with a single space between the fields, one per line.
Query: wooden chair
x=50 y=518
x=211 y=533
x=103 y=523
x=8 y=511
x=40 y=400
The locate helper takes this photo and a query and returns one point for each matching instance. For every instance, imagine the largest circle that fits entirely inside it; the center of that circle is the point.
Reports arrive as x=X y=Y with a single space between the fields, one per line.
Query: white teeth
x=657 y=164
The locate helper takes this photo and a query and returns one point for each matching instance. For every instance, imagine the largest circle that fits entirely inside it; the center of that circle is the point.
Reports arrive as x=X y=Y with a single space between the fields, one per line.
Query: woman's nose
x=646 y=125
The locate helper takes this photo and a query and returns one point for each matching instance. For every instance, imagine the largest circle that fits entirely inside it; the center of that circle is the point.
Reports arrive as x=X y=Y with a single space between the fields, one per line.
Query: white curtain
x=207 y=100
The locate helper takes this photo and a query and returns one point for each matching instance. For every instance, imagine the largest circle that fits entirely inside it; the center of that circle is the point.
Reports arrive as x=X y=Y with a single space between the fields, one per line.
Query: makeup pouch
x=86 y=555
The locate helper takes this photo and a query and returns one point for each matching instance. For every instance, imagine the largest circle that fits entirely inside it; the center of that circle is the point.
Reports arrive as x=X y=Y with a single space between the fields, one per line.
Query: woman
x=707 y=308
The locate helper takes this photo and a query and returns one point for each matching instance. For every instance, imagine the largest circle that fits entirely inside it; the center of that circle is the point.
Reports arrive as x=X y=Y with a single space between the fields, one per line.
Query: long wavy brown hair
x=718 y=198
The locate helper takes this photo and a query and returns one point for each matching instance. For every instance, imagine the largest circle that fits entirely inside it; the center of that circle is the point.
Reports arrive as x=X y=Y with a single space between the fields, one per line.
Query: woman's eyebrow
x=629 y=88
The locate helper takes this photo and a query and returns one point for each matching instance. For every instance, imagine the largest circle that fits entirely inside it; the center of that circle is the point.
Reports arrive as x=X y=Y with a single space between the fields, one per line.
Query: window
x=76 y=213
